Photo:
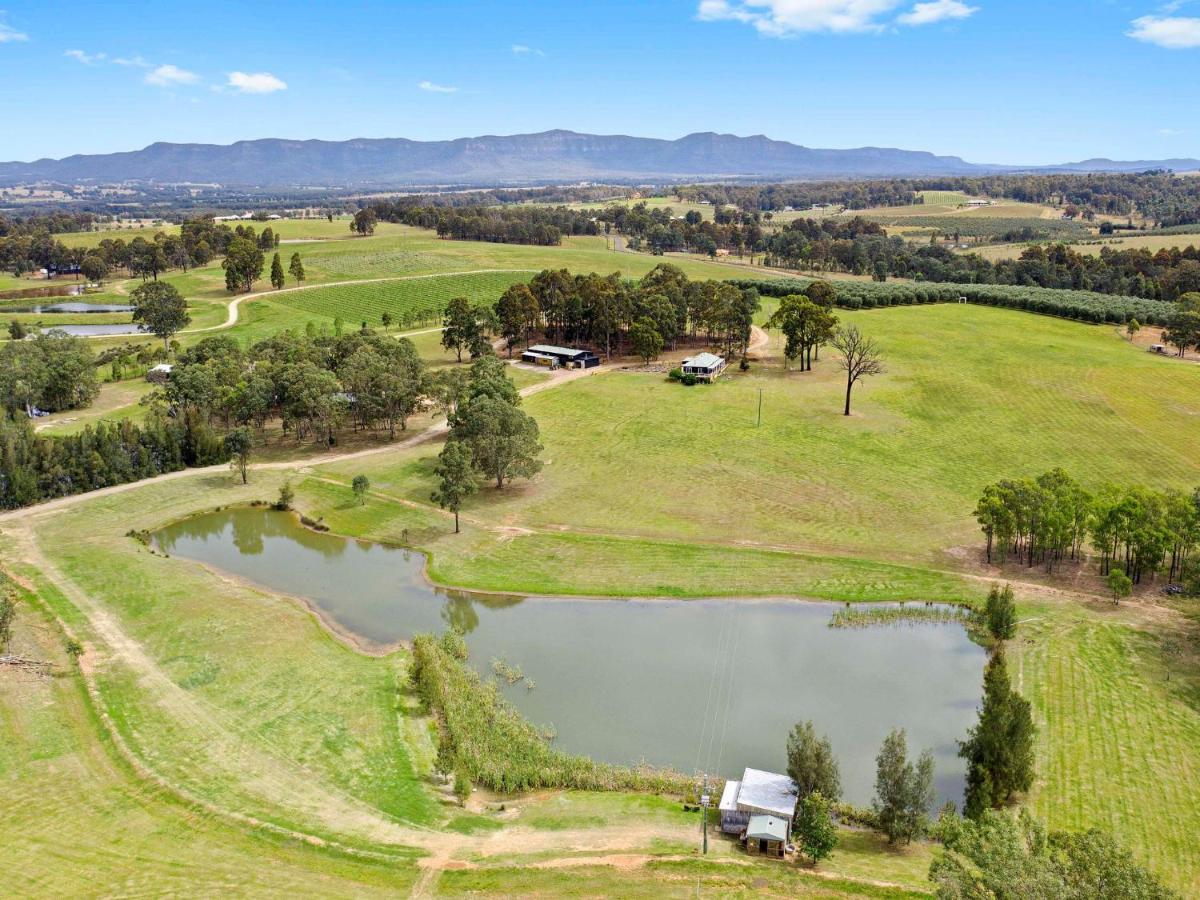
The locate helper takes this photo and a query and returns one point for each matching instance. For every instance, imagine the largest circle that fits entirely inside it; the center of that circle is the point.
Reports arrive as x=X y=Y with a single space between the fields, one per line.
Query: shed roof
x=729 y=796
x=537 y=355
x=767 y=828
x=559 y=351
x=705 y=360
x=768 y=791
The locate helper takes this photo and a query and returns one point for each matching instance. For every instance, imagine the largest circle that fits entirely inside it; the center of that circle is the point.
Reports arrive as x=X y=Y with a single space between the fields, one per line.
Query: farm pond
x=709 y=685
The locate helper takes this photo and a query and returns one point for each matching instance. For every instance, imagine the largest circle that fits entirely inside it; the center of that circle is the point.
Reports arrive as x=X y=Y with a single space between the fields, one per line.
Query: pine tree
x=296 y=268
x=999 y=749
x=277 y=279
x=1001 y=613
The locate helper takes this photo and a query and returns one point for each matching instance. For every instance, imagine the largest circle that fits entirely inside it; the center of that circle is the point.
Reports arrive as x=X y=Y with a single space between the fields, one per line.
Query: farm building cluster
x=758 y=810
x=553 y=357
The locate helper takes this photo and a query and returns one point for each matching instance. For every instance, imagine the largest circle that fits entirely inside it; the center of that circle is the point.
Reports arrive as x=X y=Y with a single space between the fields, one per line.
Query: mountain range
x=491 y=160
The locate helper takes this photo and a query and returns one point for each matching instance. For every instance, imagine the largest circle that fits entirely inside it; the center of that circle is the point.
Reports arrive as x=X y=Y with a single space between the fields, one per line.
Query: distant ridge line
x=547 y=157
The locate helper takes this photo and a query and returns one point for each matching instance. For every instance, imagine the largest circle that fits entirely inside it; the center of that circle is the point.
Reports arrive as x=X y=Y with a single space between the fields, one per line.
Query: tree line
x=540 y=225
x=199 y=242
x=1136 y=531
x=608 y=312
x=861 y=247
x=1165 y=198
x=1083 y=306
x=999 y=751
x=35 y=467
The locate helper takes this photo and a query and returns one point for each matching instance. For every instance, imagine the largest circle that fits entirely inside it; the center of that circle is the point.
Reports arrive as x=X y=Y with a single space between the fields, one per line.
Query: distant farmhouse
x=560 y=357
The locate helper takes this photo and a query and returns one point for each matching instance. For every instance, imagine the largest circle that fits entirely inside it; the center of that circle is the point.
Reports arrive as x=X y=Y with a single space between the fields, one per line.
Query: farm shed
x=705 y=366
x=159 y=374
x=567 y=357
x=759 y=793
x=767 y=835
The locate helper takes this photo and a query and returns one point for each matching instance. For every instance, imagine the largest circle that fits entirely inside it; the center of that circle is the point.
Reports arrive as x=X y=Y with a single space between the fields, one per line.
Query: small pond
x=709 y=684
x=71 y=307
x=96 y=330
x=58 y=290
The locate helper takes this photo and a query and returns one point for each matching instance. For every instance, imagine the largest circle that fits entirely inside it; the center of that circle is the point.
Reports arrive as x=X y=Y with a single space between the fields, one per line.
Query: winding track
x=232 y=318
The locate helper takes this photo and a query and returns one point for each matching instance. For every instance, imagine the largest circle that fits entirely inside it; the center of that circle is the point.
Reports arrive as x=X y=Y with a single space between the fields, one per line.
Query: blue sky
x=1004 y=81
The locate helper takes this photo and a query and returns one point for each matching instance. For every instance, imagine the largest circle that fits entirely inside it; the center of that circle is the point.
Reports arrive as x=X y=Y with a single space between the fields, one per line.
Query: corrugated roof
x=768 y=791
x=729 y=796
x=767 y=828
x=557 y=351
x=704 y=360
x=537 y=355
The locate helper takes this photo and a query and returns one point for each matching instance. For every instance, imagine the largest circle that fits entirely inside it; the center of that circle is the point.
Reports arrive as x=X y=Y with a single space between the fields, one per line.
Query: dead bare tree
x=861 y=357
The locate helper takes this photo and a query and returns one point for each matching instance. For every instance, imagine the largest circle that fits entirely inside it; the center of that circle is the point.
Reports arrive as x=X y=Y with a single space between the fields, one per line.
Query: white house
x=705 y=366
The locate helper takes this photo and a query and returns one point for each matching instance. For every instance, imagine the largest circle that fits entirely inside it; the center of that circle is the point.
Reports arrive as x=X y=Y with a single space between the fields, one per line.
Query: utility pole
x=704 y=801
x=759 y=423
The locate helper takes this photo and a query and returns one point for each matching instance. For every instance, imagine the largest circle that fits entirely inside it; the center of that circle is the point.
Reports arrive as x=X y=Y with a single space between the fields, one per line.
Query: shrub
x=675 y=374
x=286 y=496
x=689 y=379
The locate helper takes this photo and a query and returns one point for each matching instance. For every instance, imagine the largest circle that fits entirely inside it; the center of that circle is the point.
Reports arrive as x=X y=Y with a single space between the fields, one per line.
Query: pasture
x=972 y=394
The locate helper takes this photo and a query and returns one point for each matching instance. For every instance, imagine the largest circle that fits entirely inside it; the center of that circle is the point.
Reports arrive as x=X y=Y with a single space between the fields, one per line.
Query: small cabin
x=159 y=374
x=758 y=793
x=1158 y=348
x=555 y=357
x=705 y=366
x=767 y=835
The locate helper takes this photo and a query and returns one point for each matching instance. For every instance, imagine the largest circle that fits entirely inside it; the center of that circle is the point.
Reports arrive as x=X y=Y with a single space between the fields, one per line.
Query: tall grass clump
x=481 y=734
x=872 y=616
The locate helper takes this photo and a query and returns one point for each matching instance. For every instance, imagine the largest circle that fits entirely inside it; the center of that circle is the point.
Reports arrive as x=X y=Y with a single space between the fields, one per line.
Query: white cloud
x=1172 y=32
x=256 y=82
x=1170 y=132
x=8 y=34
x=783 y=18
x=936 y=11
x=524 y=50
x=86 y=58
x=437 y=88
x=170 y=76
x=780 y=18
x=135 y=61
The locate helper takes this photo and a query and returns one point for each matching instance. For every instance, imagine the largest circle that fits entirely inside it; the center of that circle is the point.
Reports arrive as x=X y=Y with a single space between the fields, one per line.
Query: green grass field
x=479 y=270
x=971 y=395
